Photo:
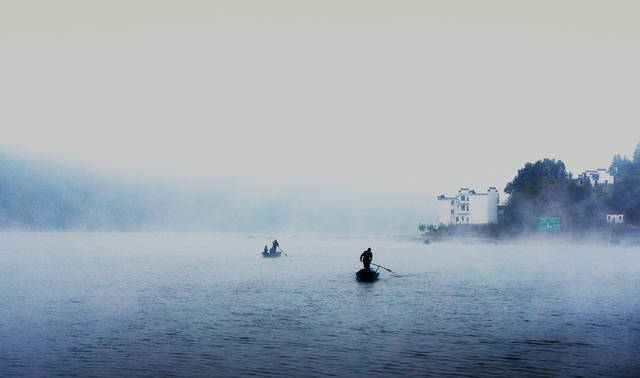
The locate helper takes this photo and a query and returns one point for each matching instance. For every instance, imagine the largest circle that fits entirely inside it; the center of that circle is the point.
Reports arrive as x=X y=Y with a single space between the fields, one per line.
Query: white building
x=468 y=207
x=615 y=218
x=599 y=177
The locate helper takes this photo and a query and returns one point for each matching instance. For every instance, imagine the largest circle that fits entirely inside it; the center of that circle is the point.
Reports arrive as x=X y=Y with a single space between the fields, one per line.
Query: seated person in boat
x=265 y=250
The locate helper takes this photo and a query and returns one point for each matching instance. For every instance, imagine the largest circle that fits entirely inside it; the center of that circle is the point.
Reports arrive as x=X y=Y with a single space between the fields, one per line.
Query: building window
x=457 y=220
x=453 y=202
x=452 y=211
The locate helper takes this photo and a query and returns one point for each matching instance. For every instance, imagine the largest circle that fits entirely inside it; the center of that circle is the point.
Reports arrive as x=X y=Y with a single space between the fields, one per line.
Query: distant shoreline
x=627 y=238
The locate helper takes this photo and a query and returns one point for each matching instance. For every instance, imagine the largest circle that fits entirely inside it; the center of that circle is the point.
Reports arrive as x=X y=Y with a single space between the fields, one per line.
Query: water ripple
x=156 y=308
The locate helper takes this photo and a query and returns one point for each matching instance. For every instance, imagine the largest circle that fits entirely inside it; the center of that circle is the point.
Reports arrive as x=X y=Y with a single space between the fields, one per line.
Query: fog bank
x=54 y=196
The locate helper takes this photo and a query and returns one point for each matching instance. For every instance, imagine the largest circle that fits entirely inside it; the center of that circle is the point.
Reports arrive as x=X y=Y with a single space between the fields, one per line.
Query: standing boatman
x=274 y=246
x=366 y=258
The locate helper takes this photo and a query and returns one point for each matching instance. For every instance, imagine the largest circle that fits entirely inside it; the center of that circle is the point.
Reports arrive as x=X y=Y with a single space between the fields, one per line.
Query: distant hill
x=44 y=196
x=37 y=195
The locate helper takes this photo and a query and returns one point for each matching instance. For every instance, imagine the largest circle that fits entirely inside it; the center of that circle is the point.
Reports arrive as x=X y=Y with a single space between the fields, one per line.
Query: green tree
x=625 y=198
x=546 y=189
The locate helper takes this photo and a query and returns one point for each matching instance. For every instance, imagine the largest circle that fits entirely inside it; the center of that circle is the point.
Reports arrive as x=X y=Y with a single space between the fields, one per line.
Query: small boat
x=271 y=254
x=364 y=275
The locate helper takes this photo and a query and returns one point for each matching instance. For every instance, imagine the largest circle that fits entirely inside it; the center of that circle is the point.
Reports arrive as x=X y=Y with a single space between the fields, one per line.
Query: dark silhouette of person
x=265 y=249
x=274 y=246
x=366 y=258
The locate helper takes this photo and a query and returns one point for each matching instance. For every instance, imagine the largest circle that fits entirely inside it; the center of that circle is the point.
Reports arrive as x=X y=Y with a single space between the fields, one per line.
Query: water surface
x=206 y=304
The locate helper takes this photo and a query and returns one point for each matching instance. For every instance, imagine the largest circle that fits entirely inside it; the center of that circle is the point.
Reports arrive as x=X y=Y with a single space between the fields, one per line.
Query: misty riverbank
x=627 y=237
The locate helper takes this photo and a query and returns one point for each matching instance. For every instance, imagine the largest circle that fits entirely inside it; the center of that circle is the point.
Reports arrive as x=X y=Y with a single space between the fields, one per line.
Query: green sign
x=550 y=223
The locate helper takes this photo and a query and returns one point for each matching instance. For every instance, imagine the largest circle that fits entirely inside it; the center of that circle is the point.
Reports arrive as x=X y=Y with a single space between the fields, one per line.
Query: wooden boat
x=364 y=275
x=271 y=254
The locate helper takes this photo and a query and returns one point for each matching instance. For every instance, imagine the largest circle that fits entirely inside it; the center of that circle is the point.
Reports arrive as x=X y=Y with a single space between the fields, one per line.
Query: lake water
x=206 y=304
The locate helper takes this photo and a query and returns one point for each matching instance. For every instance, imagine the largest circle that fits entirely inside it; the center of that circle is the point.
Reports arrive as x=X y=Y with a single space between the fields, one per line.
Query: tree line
x=546 y=189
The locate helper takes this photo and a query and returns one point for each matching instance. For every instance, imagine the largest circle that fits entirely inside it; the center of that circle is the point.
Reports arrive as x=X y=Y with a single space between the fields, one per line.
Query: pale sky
x=388 y=98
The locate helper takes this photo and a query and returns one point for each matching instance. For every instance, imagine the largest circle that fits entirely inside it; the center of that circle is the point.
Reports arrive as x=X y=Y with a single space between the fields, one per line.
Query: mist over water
x=150 y=149
x=208 y=304
x=55 y=196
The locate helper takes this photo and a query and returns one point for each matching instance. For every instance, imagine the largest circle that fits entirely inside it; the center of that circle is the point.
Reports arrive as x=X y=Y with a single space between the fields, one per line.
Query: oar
x=380 y=266
x=285 y=253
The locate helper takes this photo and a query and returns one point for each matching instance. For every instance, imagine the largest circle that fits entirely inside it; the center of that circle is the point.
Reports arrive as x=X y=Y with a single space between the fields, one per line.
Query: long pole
x=285 y=253
x=380 y=266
